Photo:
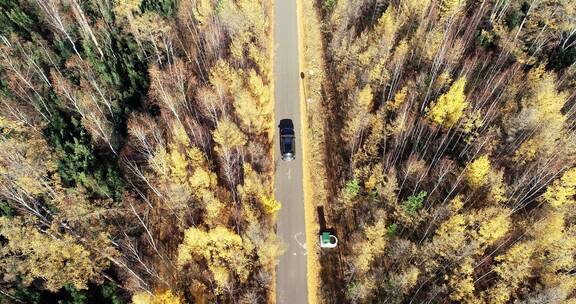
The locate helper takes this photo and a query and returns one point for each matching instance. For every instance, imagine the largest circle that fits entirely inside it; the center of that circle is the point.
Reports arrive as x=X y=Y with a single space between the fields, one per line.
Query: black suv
x=287 y=140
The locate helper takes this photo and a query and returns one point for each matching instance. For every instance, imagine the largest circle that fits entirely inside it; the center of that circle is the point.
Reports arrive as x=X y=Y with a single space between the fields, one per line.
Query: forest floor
x=272 y=295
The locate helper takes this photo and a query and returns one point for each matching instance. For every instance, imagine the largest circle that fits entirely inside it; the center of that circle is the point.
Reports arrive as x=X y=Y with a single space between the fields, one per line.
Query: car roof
x=287 y=131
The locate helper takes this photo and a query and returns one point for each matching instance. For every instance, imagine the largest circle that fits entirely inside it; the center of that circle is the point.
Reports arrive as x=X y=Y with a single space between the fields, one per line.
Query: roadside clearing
x=314 y=185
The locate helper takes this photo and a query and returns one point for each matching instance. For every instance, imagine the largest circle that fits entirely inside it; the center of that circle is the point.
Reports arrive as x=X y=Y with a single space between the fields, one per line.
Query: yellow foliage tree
x=221 y=249
x=406 y=280
x=57 y=261
x=253 y=185
x=477 y=171
x=417 y=7
x=178 y=165
x=254 y=188
x=374 y=139
x=450 y=236
x=226 y=79
x=254 y=17
x=201 y=179
x=152 y=27
x=160 y=297
x=26 y=162
x=167 y=297
x=270 y=205
x=372 y=246
x=387 y=26
x=527 y=151
x=400 y=52
x=546 y=100
x=254 y=106
x=498 y=294
x=159 y=162
x=449 y=8
x=554 y=251
x=544 y=104
x=259 y=57
x=462 y=283
x=183 y=173
x=228 y=136
x=456 y=204
x=554 y=244
x=450 y=106
x=430 y=46
x=471 y=123
x=365 y=98
x=374 y=177
x=125 y=7
x=179 y=134
x=125 y=11
x=562 y=191
x=513 y=267
x=248 y=21
x=497 y=193
x=399 y=99
x=372 y=50
x=358 y=114
x=214 y=208
x=492 y=222
x=550 y=230
x=443 y=79
x=204 y=10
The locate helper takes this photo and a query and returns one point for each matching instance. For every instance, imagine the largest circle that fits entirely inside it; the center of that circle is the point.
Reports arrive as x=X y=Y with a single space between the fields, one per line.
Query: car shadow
x=322 y=222
x=321 y=218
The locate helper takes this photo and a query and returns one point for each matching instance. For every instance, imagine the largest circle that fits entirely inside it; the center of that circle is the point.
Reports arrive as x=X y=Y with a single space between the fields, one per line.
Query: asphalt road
x=291 y=270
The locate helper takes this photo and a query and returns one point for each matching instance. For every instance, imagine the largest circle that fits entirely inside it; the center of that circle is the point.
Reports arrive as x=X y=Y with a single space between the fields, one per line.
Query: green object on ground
x=326 y=237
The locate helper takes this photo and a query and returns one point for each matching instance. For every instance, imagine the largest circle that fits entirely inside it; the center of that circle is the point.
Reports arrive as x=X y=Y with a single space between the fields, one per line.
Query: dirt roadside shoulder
x=314 y=185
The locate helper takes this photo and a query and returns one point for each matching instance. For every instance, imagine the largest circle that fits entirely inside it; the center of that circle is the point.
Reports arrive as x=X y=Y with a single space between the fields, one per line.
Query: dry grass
x=272 y=293
x=315 y=193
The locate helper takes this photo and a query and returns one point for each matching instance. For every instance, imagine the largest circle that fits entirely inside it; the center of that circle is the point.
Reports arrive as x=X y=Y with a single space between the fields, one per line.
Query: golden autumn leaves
x=478 y=117
x=222 y=250
x=58 y=260
x=252 y=101
x=547 y=247
x=28 y=173
x=176 y=95
x=209 y=162
x=561 y=192
x=450 y=106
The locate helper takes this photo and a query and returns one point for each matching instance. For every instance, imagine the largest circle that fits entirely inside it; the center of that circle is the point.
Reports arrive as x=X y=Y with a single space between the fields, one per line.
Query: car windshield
x=287 y=144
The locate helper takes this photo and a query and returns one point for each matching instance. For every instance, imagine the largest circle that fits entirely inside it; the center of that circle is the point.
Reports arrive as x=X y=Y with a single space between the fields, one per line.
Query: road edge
x=312 y=262
x=272 y=89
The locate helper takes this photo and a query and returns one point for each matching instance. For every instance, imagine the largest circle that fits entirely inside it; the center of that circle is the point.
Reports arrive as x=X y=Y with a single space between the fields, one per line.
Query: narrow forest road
x=291 y=280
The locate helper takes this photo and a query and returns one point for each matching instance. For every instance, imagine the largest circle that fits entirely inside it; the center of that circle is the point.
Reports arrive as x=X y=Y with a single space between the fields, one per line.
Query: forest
x=136 y=152
x=137 y=162
x=448 y=150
